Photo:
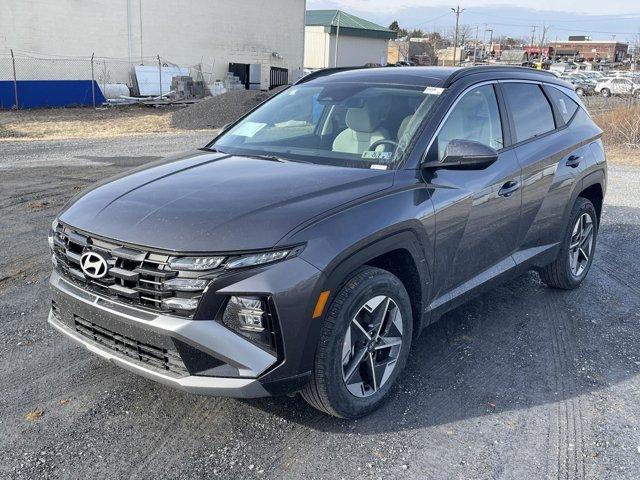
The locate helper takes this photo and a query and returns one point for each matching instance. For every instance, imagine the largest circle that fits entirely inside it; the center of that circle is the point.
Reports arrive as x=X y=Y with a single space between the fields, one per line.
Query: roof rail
x=324 y=71
x=463 y=72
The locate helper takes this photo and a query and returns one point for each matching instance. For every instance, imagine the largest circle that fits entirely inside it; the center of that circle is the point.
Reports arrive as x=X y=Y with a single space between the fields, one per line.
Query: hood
x=210 y=202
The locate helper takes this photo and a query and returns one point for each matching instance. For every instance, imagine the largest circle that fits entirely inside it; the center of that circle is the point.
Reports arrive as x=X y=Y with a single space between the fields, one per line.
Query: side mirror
x=465 y=155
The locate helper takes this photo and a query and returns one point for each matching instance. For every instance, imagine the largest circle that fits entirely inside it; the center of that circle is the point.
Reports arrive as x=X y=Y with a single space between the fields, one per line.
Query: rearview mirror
x=465 y=155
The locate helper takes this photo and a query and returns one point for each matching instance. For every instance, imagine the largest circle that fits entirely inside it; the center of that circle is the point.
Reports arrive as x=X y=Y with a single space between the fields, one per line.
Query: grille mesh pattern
x=134 y=277
x=167 y=360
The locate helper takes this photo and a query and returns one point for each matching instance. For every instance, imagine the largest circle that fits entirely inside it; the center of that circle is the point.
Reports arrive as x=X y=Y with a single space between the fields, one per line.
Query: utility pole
x=475 y=45
x=457 y=11
x=490 y=41
x=544 y=34
x=533 y=34
x=337 y=37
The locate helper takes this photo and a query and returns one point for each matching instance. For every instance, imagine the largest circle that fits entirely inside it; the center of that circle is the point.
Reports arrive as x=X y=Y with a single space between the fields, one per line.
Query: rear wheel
x=577 y=249
x=364 y=344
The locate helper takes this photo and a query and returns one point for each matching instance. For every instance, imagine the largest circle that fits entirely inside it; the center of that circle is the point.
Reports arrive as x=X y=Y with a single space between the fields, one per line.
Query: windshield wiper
x=272 y=158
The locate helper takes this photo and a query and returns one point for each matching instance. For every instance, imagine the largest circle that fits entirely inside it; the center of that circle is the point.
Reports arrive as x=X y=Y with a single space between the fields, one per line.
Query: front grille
x=159 y=358
x=134 y=276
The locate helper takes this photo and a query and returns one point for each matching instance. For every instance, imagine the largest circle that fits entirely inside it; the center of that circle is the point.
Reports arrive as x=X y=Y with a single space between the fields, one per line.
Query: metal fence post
x=15 y=80
x=104 y=76
x=160 y=74
x=93 y=83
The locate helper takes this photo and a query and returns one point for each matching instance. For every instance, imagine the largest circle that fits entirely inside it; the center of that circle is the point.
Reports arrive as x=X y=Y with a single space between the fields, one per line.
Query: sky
x=601 y=19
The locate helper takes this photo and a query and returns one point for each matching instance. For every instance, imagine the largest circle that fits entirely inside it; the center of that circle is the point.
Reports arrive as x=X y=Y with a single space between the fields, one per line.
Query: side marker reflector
x=320 y=304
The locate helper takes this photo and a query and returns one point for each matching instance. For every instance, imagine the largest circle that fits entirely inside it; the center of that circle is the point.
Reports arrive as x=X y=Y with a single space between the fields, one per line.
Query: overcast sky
x=600 y=19
x=606 y=7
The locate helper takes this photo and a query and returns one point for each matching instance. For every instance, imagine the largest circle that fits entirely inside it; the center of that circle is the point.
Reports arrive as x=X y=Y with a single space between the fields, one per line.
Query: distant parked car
x=617 y=86
x=580 y=86
x=404 y=63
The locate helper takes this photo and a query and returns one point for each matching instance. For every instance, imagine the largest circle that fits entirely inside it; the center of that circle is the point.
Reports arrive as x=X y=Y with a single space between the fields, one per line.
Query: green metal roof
x=349 y=24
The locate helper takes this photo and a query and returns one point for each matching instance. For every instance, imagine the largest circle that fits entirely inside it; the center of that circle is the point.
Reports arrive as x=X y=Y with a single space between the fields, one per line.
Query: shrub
x=621 y=126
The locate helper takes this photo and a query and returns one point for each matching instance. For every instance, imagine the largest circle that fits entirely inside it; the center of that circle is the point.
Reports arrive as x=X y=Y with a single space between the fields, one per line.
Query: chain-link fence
x=32 y=81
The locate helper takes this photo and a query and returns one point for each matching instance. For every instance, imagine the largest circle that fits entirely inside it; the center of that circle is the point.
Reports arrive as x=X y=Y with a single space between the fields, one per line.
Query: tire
x=636 y=94
x=605 y=92
x=561 y=273
x=328 y=390
x=580 y=91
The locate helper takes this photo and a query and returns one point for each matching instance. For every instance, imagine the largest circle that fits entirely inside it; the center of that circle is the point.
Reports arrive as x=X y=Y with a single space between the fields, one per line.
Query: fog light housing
x=249 y=317
x=185 y=284
x=182 y=304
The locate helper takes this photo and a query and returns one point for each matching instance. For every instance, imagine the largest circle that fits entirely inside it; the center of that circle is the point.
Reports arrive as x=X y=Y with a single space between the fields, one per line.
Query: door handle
x=509 y=188
x=573 y=161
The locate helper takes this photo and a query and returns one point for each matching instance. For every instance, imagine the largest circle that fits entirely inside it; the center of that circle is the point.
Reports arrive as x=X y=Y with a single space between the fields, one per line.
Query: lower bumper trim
x=219 y=386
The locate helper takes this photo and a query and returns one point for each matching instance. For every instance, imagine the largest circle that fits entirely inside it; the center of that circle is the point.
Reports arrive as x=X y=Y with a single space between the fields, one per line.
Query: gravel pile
x=215 y=112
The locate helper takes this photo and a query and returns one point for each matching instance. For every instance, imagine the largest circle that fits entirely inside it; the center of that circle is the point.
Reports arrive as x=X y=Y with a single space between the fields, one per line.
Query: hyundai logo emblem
x=93 y=265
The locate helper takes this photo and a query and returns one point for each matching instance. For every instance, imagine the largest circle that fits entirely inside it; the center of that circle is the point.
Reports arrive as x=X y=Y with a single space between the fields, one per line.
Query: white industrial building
x=334 y=38
x=267 y=34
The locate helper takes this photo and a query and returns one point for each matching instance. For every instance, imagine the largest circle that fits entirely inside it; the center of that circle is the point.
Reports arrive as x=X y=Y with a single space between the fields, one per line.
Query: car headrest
x=362 y=119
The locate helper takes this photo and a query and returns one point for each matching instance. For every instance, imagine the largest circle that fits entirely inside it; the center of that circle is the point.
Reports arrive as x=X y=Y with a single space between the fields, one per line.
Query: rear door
x=548 y=154
x=477 y=211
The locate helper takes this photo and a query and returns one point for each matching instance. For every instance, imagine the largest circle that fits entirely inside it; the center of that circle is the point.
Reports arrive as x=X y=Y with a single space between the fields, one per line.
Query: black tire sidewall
x=581 y=206
x=379 y=283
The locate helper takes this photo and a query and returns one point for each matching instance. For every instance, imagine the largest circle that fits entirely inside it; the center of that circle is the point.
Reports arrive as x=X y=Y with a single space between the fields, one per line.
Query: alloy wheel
x=581 y=245
x=371 y=346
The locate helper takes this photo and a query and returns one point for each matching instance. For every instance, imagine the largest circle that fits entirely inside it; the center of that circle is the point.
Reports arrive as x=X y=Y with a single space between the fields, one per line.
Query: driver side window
x=475 y=117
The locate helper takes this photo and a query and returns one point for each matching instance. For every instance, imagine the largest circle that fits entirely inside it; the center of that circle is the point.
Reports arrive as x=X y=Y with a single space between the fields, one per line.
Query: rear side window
x=566 y=106
x=530 y=109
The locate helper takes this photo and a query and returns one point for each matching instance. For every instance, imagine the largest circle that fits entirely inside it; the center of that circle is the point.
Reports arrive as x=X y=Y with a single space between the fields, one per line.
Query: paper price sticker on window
x=373 y=155
x=248 y=129
x=433 y=90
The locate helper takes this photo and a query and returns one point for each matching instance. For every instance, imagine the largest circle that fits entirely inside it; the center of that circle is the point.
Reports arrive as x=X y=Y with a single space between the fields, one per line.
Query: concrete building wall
x=353 y=51
x=185 y=32
x=320 y=49
x=316 y=48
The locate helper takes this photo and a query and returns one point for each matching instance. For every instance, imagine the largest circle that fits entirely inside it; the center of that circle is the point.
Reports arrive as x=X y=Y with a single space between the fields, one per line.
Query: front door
x=477 y=211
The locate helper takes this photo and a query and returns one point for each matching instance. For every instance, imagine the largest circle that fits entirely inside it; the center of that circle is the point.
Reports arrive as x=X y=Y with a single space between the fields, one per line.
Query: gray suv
x=307 y=246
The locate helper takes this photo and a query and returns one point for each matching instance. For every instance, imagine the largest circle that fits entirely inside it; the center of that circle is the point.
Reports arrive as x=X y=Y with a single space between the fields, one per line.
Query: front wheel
x=363 y=347
x=577 y=248
x=605 y=92
x=580 y=91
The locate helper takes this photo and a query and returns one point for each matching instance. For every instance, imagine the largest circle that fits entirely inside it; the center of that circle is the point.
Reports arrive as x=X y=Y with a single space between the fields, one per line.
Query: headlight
x=50 y=240
x=195 y=263
x=253 y=259
x=52 y=232
x=250 y=318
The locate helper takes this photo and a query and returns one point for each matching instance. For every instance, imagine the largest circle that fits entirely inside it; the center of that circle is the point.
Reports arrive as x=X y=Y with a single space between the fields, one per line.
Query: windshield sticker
x=433 y=90
x=248 y=129
x=373 y=155
x=379 y=167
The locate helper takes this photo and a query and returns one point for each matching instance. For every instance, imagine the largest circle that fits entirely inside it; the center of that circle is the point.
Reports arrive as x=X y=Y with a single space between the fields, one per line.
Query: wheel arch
x=595 y=194
x=400 y=254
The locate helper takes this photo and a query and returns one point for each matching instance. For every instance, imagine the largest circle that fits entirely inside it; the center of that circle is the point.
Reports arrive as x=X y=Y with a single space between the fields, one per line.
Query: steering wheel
x=377 y=143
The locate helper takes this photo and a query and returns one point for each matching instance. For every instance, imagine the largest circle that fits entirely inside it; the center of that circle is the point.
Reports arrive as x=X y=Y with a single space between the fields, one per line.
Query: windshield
x=346 y=124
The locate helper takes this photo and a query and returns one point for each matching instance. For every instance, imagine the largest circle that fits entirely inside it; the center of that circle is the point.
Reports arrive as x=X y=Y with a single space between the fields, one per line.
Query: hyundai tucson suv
x=306 y=247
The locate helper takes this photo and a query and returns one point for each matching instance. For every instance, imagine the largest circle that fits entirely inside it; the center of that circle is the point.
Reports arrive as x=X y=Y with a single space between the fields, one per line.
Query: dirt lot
x=69 y=123
x=524 y=382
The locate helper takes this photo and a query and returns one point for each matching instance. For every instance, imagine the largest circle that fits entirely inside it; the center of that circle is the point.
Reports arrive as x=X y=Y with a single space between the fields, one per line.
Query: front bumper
x=233 y=354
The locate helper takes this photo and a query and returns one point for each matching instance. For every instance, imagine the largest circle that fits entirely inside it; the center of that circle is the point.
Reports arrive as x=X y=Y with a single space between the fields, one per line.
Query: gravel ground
x=216 y=112
x=523 y=382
